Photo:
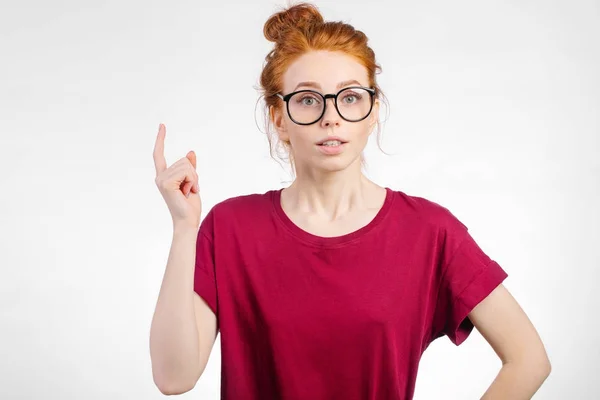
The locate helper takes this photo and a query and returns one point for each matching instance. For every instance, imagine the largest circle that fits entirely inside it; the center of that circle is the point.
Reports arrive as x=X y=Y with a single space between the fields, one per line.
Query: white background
x=494 y=114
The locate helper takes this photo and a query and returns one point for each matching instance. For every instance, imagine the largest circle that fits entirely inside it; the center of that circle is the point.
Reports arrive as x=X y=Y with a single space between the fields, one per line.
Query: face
x=326 y=70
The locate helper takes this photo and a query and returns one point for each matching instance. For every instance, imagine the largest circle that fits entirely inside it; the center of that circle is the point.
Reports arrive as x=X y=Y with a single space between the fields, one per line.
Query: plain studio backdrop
x=494 y=113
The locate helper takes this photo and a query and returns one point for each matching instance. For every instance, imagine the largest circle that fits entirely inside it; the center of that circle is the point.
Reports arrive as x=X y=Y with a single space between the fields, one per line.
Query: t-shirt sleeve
x=468 y=276
x=205 y=283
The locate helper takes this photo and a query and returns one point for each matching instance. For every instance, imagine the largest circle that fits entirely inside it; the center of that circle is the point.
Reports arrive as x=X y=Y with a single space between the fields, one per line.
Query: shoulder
x=236 y=213
x=241 y=206
x=427 y=211
x=245 y=201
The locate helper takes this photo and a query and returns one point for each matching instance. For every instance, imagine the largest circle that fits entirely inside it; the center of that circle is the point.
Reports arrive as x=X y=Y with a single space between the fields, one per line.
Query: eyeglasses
x=305 y=107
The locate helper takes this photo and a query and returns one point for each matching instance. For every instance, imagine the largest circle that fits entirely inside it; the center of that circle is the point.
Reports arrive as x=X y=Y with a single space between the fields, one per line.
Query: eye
x=352 y=95
x=307 y=100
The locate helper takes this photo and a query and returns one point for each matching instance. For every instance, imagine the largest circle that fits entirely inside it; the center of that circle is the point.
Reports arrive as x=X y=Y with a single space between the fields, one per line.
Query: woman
x=333 y=287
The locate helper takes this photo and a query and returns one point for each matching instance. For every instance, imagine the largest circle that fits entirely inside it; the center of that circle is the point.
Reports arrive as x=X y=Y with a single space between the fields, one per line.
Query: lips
x=332 y=150
x=330 y=139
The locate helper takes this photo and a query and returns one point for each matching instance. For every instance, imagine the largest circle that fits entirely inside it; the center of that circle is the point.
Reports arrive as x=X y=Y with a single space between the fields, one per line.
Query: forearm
x=174 y=347
x=517 y=380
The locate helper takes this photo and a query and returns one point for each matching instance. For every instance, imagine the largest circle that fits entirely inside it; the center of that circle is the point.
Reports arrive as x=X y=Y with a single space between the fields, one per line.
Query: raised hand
x=178 y=184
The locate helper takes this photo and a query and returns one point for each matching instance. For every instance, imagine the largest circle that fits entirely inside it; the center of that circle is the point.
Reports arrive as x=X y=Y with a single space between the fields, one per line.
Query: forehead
x=326 y=69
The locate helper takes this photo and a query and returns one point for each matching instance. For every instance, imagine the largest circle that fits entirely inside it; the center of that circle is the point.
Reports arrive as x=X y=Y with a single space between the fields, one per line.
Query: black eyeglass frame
x=288 y=96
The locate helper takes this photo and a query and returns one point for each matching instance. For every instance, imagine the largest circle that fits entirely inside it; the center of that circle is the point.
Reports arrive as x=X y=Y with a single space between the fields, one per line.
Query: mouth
x=332 y=147
x=331 y=143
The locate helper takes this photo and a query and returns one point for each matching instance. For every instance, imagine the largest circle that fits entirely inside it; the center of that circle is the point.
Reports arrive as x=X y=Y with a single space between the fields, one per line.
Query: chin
x=329 y=163
x=336 y=163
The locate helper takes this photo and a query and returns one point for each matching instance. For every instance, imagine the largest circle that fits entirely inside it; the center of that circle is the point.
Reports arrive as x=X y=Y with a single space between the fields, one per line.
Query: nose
x=331 y=116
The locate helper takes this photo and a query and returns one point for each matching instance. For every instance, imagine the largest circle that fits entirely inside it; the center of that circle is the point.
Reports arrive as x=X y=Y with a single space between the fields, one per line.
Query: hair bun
x=300 y=16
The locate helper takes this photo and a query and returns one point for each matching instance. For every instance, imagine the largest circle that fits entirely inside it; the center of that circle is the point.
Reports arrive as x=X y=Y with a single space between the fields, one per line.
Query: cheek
x=362 y=133
x=299 y=137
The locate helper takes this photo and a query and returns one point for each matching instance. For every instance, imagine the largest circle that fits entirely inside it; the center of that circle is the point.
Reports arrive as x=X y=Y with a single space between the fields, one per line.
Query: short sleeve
x=468 y=276
x=204 y=273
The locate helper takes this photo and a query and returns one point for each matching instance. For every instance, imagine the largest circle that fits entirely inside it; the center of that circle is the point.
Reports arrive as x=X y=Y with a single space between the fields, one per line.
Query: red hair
x=298 y=30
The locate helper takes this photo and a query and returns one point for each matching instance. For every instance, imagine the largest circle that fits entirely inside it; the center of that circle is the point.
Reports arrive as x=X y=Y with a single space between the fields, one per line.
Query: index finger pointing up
x=159 y=150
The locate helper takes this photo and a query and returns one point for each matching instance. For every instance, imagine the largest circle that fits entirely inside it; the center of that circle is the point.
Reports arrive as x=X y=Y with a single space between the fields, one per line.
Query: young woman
x=333 y=287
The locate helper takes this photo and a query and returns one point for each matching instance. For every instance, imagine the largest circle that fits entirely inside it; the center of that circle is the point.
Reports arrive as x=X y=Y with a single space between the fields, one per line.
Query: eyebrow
x=316 y=85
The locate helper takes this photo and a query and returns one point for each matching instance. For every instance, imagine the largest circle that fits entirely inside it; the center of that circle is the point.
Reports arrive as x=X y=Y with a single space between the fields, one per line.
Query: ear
x=279 y=123
x=374 y=116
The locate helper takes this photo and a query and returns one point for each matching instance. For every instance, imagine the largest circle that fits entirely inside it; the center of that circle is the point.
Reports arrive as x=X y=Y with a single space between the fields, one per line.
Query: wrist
x=184 y=228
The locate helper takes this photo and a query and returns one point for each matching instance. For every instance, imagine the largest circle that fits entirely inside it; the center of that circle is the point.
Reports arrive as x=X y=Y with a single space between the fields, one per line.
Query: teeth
x=332 y=143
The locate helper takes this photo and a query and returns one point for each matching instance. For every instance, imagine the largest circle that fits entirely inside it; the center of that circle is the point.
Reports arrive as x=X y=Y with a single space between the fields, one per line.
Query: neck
x=331 y=194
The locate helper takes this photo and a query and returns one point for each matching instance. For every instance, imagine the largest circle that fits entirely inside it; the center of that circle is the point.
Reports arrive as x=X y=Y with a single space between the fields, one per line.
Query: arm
x=506 y=327
x=183 y=328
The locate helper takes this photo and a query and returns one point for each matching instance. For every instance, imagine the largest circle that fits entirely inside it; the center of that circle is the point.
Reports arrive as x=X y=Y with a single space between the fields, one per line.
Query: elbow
x=538 y=366
x=543 y=365
x=173 y=388
x=546 y=368
x=169 y=386
x=541 y=371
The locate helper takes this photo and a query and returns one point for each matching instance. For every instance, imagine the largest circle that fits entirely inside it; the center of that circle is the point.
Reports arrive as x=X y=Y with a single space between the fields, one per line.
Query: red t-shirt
x=303 y=317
